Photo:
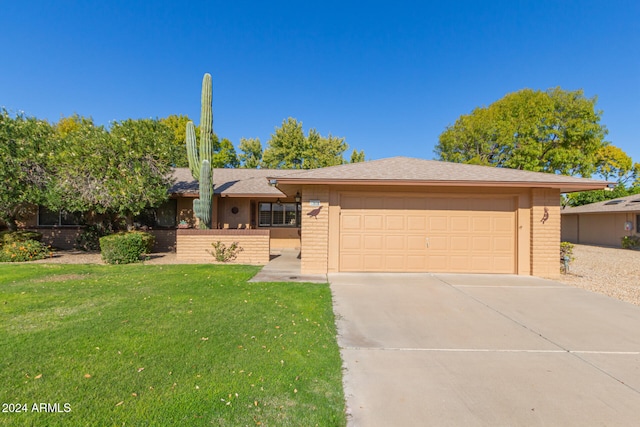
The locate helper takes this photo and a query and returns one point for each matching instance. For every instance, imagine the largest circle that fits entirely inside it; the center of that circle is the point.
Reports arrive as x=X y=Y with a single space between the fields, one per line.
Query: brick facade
x=315 y=230
x=192 y=245
x=545 y=233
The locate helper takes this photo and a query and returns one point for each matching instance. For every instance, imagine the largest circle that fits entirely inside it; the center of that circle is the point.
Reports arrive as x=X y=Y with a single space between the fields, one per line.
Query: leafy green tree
x=178 y=124
x=357 y=156
x=553 y=131
x=25 y=170
x=612 y=164
x=250 y=153
x=225 y=156
x=321 y=152
x=118 y=172
x=289 y=148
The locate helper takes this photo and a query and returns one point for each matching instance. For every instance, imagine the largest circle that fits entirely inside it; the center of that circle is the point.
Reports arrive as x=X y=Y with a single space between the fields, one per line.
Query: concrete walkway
x=285 y=267
x=485 y=350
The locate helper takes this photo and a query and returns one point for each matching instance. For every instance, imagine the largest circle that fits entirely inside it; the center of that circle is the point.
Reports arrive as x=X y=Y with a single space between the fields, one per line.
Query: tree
x=178 y=124
x=251 y=153
x=25 y=173
x=118 y=172
x=322 y=152
x=357 y=156
x=553 y=131
x=225 y=156
x=612 y=164
x=289 y=148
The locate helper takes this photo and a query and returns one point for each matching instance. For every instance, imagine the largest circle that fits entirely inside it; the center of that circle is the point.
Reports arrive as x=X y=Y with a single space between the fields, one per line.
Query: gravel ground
x=609 y=271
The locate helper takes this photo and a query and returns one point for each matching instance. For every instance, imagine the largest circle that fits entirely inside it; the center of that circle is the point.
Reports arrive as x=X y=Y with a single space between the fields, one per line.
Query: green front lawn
x=165 y=345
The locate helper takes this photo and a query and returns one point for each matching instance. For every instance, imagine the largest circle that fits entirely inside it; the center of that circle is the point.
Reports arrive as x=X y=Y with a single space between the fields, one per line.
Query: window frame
x=286 y=221
x=64 y=218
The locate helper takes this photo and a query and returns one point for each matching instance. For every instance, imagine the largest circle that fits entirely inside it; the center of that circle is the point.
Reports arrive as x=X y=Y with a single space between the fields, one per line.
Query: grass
x=165 y=345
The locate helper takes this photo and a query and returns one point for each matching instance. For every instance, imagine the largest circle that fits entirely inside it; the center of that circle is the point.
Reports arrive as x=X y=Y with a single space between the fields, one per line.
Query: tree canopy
x=25 y=172
x=553 y=131
x=121 y=171
x=289 y=148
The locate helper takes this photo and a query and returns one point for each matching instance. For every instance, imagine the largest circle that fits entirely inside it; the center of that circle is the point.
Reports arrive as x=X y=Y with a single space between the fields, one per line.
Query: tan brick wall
x=192 y=245
x=545 y=233
x=165 y=240
x=315 y=230
x=60 y=238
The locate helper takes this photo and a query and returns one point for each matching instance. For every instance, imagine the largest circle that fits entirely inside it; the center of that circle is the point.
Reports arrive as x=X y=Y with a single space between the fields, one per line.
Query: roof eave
x=564 y=187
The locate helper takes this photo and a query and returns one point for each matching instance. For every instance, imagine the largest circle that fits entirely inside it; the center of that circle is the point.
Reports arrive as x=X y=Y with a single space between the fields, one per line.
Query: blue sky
x=387 y=76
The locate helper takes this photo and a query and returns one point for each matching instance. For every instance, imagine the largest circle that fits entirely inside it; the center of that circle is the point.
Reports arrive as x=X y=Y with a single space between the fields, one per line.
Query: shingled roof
x=229 y=182
x=411 y=171
x=623 y=204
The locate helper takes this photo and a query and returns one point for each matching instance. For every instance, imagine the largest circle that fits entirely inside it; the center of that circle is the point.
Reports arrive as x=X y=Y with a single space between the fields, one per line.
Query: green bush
x=566 y=256
x=125 y=247
x=222 y=253
x=26 y=250
x=631 y=242
x=7 y=237
x=89 y=237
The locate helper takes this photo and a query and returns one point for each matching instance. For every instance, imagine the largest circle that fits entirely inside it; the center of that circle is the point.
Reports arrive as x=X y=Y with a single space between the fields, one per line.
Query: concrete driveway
x=485 y=350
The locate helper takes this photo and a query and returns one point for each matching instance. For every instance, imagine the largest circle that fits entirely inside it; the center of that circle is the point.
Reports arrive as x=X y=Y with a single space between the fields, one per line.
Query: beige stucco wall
x=545 y=233
x=569 y=228
x=193 y=245
x=605 y=229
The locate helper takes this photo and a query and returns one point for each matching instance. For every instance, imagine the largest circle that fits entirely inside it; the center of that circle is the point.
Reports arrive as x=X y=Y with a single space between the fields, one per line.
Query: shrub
x=7 y=237
x=222 y=253
x=26 y=250
x=631 y=242
x=89 y=237
x=125 y=247
x=566 y=256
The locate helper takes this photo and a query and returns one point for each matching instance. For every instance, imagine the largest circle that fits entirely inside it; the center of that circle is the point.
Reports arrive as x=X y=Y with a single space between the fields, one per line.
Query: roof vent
x=614 y=202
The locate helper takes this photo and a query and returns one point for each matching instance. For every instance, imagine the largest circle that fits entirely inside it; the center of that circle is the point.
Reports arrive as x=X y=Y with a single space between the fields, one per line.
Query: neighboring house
x=602 y=223
x=391 y=215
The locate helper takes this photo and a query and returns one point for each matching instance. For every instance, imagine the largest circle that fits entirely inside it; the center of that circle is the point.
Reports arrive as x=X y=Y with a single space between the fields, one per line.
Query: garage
x=419 y=233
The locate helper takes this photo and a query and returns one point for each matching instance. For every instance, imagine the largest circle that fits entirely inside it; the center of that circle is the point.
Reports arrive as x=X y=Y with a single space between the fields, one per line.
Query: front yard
x=165 y=345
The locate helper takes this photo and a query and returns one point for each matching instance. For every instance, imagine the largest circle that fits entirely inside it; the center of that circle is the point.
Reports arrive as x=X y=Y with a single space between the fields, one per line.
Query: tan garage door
x=455 y=234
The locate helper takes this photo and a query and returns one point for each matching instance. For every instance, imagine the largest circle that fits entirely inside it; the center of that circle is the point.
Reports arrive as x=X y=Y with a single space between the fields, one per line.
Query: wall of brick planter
x=193 y=244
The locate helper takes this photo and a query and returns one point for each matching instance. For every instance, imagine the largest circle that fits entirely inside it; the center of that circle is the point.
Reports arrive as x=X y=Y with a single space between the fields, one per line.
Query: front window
x=47 y=217
x=279 y=214
x=164 y=216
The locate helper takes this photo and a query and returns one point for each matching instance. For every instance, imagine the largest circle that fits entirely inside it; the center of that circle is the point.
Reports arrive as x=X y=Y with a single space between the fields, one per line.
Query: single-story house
x=602 y=223
x=390 y=215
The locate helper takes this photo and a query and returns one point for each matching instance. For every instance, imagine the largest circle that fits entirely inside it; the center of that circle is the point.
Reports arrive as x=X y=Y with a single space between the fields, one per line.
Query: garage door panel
x=373 y=262
x=438 y=224
x=416 y=242
x=459 y=243
x=395 y=242
x=460 y=224
x=351 y=241
x=502 y=244
x=395 y=263
x=422 y=233
x=416 y=223
x=481 y=225
x=438 y=243
x=503 y=225
x=395 y=222
x=373 y=222
x=372 y=242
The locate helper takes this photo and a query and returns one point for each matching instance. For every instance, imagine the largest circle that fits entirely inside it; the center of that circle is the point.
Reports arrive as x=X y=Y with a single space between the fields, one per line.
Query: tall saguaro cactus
x=200 y=158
